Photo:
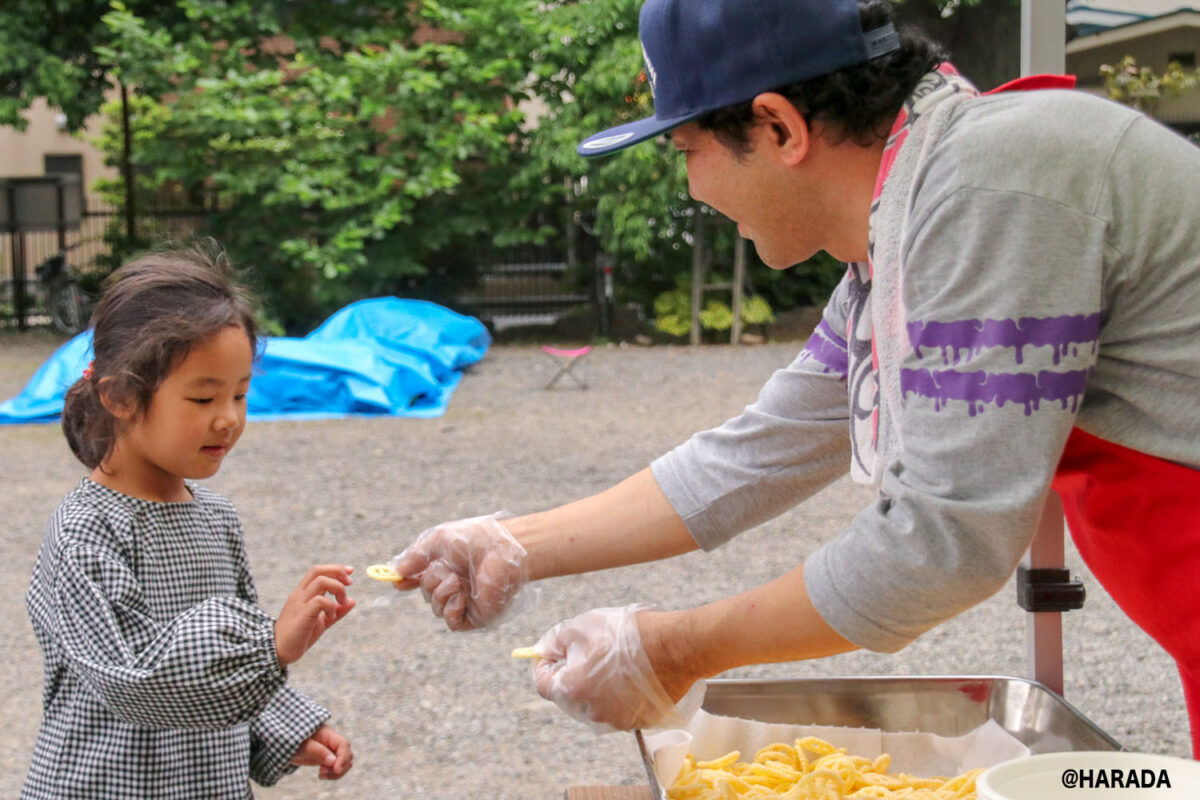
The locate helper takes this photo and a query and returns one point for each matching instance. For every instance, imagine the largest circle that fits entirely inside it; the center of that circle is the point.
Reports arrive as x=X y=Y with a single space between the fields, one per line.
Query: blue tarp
x=380 y=356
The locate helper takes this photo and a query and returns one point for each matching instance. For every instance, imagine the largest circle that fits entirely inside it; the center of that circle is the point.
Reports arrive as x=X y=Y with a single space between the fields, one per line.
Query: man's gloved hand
x=472 y=572
x=596 y=669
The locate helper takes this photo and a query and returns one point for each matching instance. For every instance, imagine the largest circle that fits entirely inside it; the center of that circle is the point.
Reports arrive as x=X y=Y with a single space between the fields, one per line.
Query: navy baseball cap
x=702 y=55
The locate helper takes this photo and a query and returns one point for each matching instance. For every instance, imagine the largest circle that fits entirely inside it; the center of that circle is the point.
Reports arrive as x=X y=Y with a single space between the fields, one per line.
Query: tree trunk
x=127 y=168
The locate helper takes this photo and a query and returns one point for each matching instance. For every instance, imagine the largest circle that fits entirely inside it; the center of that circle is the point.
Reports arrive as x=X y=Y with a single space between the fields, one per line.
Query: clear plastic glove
x=472 y=572
x=595 y=668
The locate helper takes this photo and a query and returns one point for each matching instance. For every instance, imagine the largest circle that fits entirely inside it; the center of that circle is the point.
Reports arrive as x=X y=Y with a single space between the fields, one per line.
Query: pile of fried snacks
x=811 y=769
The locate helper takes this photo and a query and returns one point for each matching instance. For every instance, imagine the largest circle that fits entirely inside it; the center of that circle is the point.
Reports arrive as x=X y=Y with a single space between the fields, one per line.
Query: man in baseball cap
x=1014 y=316
x=701 y=56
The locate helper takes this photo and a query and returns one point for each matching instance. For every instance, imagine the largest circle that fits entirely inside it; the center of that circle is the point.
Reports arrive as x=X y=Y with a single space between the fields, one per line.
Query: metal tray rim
x=659 y=791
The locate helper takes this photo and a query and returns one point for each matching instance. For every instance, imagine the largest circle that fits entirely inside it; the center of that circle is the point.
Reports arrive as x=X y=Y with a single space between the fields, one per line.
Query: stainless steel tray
x=947 y=706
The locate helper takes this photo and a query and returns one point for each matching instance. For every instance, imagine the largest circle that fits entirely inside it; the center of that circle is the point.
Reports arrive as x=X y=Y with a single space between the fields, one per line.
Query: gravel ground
x=440 y=715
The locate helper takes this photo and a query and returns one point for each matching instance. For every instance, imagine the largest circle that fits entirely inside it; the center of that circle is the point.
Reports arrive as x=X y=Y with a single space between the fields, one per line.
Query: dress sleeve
x=277 y=733
x=290 y=717
x=210 y=667
x=793 y=441
x=1002 y=298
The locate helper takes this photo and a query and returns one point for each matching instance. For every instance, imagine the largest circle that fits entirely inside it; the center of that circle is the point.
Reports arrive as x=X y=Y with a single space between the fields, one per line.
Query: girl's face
x=194 y=419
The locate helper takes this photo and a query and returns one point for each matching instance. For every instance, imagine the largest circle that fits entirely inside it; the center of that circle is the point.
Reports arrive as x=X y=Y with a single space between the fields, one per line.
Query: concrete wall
x=21 y=152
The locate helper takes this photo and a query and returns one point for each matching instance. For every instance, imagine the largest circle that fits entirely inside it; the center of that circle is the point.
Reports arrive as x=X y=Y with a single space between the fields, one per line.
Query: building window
x=1185 y=60
x=67 y=164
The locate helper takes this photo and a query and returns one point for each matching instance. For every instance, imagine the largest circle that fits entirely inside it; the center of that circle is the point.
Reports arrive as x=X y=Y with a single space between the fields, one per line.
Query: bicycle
x=68 y=305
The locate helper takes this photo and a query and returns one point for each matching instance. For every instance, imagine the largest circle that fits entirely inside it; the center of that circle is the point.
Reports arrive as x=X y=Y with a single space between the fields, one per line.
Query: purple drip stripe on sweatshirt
x=1064 y=334
x=827 y=349
x=978 y=389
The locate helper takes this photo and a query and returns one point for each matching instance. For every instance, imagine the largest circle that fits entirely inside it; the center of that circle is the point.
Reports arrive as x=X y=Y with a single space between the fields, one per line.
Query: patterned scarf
x=875 y=334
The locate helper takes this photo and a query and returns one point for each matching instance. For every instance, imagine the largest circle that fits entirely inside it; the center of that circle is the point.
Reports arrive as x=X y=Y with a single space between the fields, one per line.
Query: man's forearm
x=769 y=623
x=631 y=523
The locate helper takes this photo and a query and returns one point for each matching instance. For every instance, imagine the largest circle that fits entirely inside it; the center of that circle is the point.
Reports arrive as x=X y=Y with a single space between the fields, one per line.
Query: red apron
x=1135 y=520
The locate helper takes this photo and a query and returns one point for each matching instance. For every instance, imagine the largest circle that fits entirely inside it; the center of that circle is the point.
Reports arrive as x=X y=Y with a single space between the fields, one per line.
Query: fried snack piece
x=810 y=769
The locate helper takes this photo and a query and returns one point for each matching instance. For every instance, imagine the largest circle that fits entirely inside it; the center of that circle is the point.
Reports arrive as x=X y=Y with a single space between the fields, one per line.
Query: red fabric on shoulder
x=1135 y=520
x=1031 y=82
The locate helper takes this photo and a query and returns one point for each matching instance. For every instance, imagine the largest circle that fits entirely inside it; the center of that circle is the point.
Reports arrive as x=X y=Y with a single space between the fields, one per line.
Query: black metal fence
x=520 y=286
x=533 y=286
x=22 y=297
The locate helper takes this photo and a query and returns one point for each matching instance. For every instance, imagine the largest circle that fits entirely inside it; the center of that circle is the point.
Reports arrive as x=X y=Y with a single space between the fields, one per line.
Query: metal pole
x=572 y=226
x=62 y=217
x=1043 y=37
x=739 y=282
x=610 y=302
x=1044 y=51
x=1043 y=629
x=20 y=293
x=604 y=293
x=698 y=274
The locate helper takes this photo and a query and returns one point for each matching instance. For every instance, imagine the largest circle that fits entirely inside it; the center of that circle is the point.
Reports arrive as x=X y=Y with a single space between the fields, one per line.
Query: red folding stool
x=566 y=360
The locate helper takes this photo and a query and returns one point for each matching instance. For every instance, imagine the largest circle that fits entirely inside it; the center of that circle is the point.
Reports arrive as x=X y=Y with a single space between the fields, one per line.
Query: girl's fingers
x=311 y=754
x=345 y=758
x=344 y=609
x=322 y=607
x=323 y=584
x=330 y=611
x=339 y=572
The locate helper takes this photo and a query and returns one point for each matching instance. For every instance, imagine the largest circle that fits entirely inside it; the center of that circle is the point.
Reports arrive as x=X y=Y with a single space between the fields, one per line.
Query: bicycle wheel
x=68 y=307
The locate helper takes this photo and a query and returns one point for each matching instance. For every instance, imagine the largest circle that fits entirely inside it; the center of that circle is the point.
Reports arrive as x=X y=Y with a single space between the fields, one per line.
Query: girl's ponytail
x=88 y=426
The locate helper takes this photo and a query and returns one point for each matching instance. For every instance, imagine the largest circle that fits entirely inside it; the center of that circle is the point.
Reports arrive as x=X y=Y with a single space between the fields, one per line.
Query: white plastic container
x=1091 y=776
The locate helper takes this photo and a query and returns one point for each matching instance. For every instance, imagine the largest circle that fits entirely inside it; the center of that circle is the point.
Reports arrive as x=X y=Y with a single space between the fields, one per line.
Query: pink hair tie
x=87 y=372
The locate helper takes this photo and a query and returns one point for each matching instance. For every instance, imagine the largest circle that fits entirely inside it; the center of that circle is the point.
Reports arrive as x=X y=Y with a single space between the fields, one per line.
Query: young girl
x=163 y=678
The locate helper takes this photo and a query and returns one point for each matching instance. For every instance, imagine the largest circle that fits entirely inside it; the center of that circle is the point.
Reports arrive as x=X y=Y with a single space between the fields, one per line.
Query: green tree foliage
x=346 y=148
x=590 y=71
x=673 y=310
x=54 y=49
x=1142 y=88
x=340 y=159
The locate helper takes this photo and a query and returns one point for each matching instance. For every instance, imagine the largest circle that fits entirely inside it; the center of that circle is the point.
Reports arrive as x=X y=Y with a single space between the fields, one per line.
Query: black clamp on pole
x=1048 y=590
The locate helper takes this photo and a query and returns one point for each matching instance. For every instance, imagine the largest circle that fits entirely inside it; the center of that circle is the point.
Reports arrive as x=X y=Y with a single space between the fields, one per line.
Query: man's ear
x=782 y=126
x=122 y=409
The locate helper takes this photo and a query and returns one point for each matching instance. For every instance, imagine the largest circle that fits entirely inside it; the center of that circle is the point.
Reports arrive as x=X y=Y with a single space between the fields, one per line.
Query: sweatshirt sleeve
x=793 y=441
x=1002 y=298
x=212 y=666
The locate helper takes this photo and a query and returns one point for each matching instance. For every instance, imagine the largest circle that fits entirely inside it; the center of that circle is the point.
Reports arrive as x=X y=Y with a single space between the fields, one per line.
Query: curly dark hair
x=151 y=313
x=859 y=103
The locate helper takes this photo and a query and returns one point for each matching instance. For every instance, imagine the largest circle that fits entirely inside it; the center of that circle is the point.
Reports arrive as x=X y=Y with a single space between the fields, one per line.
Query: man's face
x=754 y=190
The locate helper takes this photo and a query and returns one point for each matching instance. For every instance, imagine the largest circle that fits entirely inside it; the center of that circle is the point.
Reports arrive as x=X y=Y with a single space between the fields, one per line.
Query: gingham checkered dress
x=161 y=679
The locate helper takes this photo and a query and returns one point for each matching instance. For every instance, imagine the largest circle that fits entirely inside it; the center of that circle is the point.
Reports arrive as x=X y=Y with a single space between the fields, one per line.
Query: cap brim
x=622 y=136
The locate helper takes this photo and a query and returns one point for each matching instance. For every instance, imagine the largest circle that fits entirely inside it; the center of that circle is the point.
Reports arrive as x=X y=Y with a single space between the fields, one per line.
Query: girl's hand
x=328 y=750
x=317 y=603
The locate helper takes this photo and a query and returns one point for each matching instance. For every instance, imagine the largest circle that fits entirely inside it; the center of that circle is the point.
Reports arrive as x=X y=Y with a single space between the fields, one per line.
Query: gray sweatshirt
x=1051 y=279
